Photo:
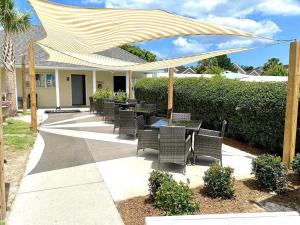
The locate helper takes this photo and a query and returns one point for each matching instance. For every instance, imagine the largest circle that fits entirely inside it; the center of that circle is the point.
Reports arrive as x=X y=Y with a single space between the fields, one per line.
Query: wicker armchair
x=129 y=124
x=92 y=104
x=181 y=117
x=109 y=111
x=116 y=117
x=209 y=143
x=147 y=138
x=99 y=106
x=174 y=147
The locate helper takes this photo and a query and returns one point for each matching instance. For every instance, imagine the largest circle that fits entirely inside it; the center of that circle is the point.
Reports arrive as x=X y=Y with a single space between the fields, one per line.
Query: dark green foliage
x=277 y=70
x=175 y=198
x=255 y=111
x=223 y=61
x=273 y=67
x=296 y=164
x=247 y=68
x=270 y=172
x=140 y=52
x=219 y=182
x=155 y=180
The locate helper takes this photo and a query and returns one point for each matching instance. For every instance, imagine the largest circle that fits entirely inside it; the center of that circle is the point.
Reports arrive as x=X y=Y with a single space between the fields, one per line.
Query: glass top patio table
x=189 y=125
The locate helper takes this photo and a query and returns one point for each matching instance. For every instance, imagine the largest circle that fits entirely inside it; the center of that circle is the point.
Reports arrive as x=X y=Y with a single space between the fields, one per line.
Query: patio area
x=116 y=158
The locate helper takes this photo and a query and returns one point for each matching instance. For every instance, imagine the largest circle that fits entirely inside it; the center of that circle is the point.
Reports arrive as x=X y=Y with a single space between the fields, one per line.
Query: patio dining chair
x=116 y=117
x=209 y=143
x=147 y=139
x=99 y=106
x=176 y=117
x=92 y=104
x=129 y=124
x=174 y=146
x=109 y=111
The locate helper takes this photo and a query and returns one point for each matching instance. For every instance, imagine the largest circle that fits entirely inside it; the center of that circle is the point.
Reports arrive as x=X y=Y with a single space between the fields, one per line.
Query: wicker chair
x=92 y=104
x=181 y=117
x=99 y=106
x=209 y=143
x=174 y=147
x=109 y=111
x=116 y=117
x=129 y=124
x=147 y=138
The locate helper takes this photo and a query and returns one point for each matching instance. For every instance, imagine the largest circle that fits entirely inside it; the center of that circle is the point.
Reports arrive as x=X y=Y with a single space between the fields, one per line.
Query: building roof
x=184 y=70
x=41 y=57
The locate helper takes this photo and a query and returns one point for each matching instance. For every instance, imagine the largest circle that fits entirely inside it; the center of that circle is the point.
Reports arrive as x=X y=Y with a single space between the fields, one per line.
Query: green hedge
x=255 y=111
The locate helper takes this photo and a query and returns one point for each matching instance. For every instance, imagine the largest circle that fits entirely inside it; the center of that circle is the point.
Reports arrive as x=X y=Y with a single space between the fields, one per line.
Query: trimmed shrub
x=255 y=111
x=155 y=180
x=296 y=164
x=175 y=198
x=102 y=94
x=219 y=181
x=120 y=96
x=270 y=172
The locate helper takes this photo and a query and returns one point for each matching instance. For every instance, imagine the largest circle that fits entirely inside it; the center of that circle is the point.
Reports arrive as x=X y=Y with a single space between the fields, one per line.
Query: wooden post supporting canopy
x=292 y=104
x=2 y=180
x=32 y=87
x=130 y=84
x=170 y=94
x=24 y=95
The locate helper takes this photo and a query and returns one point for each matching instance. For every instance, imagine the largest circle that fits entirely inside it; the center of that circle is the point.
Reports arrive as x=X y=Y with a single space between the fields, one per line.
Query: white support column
x=57 y=88
x=94 y=81
x=127 y=83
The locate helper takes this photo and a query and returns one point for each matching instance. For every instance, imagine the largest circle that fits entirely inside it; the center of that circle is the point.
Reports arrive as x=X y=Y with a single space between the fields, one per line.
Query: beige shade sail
x=107 y=63
x=90 y=30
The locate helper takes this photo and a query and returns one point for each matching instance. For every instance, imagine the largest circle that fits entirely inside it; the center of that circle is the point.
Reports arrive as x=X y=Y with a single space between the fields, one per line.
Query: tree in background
x=140 y=52
x=271 y=63
x=13 y=23
x=247 y=68
x=216 y=70
x=276 y=70
x=273 y=67
x=223 y=62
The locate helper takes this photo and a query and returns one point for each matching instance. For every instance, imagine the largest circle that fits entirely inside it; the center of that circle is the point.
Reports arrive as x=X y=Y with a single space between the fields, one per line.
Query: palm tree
x=13 y=23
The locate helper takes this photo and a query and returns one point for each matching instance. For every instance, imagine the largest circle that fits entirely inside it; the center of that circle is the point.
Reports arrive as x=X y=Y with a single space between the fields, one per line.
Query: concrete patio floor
x=85 y=167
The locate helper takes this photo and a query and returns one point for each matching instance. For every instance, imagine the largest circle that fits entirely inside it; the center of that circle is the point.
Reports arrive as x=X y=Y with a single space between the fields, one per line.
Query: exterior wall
x=47 y=95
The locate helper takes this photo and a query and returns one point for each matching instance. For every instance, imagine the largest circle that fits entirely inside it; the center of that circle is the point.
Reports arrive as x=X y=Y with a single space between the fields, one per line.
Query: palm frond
x=11 y=19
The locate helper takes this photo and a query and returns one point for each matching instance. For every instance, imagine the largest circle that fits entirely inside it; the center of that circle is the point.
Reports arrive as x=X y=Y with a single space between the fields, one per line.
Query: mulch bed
x=243 y=146
x=249 y=197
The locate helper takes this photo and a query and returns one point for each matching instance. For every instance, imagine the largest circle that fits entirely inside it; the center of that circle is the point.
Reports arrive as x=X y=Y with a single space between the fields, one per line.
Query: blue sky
x=277 y=19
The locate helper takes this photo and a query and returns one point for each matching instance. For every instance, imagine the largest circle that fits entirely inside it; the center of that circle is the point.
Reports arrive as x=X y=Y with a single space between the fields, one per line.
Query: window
x=42 y=80
x=50 y=80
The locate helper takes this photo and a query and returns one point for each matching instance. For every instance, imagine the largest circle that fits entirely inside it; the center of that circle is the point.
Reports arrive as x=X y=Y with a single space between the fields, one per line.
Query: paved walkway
x=85 y=167
x=65 y=187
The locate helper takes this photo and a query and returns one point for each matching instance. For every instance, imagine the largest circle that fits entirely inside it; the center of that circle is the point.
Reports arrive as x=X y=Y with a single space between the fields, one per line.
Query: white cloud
x=235 y=43
x=85 y=2
x=279 y=7
x=265 y=28
x=226 y=8
x=160 y=55
x=186 y=45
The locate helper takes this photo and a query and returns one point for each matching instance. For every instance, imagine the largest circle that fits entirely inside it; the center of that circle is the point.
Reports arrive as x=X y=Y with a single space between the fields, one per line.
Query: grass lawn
x=17 y=135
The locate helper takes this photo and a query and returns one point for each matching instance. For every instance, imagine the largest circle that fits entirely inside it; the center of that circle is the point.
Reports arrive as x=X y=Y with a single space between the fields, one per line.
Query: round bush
x=175 y=198
x=155 y=180
x=270 y=172
x=219 y=181
x=296 y=164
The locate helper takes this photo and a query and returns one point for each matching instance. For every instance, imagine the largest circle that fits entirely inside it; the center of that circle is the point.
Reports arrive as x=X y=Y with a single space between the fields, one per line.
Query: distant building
x=184 y=70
